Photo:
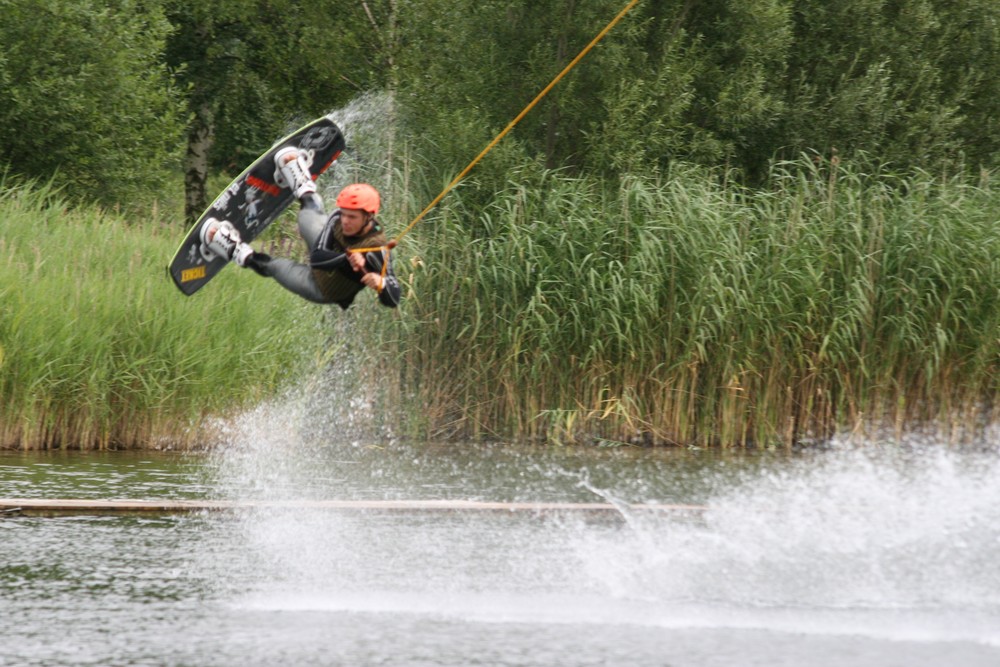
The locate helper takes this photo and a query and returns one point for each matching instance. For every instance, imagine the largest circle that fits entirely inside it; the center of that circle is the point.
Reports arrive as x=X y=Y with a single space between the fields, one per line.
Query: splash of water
x=887 y=542
x=850 y=529
x=367 y=126
x=335 y=402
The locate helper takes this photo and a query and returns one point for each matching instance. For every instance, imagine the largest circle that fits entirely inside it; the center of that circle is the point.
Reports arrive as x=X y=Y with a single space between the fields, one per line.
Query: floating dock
x=68 y=506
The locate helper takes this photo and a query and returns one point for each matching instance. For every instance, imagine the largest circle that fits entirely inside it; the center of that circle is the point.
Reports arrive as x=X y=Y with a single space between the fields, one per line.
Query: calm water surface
x=888 y=555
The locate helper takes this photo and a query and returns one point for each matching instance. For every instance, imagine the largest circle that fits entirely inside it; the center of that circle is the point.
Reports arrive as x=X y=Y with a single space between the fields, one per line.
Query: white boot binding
x=292 y=170
x=219 y=238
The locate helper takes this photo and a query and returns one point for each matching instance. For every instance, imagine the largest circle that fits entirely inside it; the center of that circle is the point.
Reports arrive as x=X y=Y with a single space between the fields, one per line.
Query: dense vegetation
x=736 y=221
x=680 y=310
x=98 y=349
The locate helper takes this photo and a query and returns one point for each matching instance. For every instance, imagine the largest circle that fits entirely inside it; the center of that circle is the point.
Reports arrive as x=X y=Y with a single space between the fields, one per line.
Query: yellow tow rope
x=524 y=112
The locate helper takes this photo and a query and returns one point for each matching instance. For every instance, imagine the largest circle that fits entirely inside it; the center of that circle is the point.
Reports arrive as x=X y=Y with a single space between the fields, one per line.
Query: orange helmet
x=359 y=196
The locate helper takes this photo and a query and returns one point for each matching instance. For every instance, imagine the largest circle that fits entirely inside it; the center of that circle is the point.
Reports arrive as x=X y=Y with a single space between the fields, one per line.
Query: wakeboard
x=252 y=202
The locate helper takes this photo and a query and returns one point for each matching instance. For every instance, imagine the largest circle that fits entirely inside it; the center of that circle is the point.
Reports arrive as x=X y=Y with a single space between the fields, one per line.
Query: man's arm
x=328 y=260
x=389 y=291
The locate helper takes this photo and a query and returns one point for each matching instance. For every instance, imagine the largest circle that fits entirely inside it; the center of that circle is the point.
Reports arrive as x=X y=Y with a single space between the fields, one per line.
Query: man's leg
x=294 y=277
x=293 y=171
x=311 y=220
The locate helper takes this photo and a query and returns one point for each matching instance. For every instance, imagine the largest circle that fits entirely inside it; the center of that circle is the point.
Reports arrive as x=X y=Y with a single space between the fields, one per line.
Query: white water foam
x=866 y=541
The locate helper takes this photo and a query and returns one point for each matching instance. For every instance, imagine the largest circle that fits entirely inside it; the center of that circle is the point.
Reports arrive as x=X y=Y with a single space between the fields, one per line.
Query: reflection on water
x=879 y=555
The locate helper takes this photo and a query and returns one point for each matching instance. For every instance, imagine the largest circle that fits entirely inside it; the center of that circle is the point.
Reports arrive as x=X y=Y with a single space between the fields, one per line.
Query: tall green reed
x=664 y=309
x=99 y=348
x=682 y=309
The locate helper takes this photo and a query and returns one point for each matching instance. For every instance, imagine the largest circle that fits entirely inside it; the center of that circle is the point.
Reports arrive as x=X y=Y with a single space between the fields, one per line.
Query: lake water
x=887 y=554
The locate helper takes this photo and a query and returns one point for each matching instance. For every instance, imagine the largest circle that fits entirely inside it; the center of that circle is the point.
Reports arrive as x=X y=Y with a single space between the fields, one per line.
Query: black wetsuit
x=337 y=279
x=329 y=277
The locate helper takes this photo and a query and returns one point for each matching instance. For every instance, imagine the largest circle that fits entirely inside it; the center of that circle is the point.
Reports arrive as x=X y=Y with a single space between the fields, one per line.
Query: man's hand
x=373 y=280
x=357 y=260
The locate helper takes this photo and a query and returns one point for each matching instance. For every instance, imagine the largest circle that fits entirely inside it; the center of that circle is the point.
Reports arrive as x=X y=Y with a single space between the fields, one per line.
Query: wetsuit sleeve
x=328 y=260
x=391 y=292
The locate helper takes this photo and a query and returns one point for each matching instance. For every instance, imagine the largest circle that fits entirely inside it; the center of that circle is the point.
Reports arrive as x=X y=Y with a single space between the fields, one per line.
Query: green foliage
x=101 y=350
x=260 y=65
x=85 y=96
x=723 y=83
x=907 y=81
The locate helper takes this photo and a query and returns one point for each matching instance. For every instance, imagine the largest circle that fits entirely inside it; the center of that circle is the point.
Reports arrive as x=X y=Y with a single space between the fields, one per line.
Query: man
x=334 y=273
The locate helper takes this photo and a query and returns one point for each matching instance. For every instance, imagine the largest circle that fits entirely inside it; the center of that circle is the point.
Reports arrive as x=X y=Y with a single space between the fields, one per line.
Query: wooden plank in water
x=62 y=506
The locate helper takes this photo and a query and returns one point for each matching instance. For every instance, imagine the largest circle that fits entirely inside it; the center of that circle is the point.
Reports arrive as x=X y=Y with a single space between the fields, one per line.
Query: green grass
x=98 y=349
x=684 y=310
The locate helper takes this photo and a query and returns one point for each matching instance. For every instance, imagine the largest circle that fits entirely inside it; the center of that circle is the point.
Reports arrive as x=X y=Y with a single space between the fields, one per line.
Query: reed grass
x=684 y=309
x=671 y=309
x=100 y=350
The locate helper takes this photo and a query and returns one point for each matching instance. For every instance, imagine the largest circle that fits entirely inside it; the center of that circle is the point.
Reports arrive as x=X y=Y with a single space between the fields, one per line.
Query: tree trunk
x=200 y=139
